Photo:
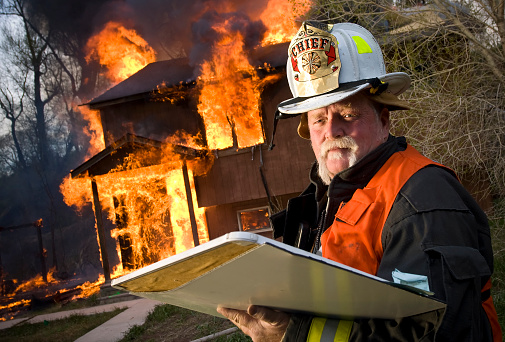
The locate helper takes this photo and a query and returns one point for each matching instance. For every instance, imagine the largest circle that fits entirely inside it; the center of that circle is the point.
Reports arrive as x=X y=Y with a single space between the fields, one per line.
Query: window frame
x=240 y=227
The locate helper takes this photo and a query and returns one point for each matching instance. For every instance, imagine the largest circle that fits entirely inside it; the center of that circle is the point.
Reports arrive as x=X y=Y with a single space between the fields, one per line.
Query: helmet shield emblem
x=313 y=54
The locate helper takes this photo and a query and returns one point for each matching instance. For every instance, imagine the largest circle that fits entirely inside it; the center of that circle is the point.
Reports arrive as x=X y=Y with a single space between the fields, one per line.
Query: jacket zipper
x=322 y=218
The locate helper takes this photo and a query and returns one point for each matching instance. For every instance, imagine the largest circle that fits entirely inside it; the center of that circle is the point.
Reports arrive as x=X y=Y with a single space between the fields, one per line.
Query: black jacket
x=434 y=228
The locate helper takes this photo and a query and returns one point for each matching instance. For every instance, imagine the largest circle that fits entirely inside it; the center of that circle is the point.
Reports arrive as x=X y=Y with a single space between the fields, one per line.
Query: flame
x=76 y=192
x=230 y=86
x=144 y=202
x=36 y=282
x=93 y=130
x=201 y=221
x=89 y=288
x=147 y=203
x=18 y=304
x=122 y=51
x=154 y=201
x=176 y=191
x=229 y=94
x=280 y=31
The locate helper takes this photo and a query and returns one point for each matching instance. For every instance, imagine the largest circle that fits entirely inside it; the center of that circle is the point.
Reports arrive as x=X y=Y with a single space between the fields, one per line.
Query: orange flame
x=230 y=87
x=147 y=203
x=122 y=51
x=36 y=282
x=89 y=288
x=229 y=95
x=280 y=31
x=201 y=221
x=76 y=192
x=93 y=130
x=18 y=304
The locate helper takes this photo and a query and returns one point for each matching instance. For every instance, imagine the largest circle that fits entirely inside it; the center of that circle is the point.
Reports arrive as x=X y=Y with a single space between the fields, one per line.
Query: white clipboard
x=240 y=268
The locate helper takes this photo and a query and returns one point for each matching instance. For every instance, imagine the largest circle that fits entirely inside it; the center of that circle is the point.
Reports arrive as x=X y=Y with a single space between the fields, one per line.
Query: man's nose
x=334 y=129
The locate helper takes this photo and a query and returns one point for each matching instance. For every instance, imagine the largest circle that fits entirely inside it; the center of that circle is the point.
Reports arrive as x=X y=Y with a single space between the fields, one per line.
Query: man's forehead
x=347 y=104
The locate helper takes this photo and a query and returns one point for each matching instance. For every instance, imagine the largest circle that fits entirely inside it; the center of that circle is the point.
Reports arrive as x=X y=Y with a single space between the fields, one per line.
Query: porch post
x=42 y=256
x=192 y=219
x=101 y=232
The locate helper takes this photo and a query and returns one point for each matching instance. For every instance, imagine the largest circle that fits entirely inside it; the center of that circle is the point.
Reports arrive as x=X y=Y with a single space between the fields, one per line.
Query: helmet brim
x=398 y=82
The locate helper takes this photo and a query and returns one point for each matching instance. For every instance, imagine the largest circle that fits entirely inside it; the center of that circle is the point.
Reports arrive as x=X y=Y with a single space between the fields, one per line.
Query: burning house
x=186 y=157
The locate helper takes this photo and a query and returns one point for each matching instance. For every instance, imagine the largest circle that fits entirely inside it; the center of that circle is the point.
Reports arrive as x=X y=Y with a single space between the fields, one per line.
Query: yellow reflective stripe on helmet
x=362 y=45
x=322 y=330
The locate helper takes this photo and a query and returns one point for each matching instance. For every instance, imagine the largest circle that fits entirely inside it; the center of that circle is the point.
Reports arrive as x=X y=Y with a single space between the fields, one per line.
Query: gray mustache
x=344 y=142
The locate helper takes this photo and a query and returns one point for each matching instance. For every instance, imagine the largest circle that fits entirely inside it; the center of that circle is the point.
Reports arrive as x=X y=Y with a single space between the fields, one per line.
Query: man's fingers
x=267 y=315
x=238 y=317
x=231 y=314
x=260 y=323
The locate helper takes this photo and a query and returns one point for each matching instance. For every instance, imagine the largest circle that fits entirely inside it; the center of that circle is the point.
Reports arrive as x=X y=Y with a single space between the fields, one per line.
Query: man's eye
x=348 y=116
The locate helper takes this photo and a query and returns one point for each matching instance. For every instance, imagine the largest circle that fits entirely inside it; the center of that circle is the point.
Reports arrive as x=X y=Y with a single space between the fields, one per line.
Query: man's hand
x=261 y=323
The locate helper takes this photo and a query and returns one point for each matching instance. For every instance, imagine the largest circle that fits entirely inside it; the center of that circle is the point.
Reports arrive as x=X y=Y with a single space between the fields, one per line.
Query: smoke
x=173 y=28
x=205 y=34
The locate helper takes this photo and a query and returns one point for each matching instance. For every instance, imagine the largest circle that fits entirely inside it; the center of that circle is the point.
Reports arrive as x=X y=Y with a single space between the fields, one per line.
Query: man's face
x=344 y=132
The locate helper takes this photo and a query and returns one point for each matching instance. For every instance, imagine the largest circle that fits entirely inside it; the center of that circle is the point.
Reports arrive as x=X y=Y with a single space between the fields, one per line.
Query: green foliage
x=207 y=328
x=162 y=312
x=175 y=323
x=63 y=330
x=235 y=337
x=135 y=332
x=158 y=315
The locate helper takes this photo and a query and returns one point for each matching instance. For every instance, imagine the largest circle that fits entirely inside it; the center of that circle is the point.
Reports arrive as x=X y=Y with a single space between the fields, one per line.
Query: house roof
x=173 y=72
x=168 y=73
x=113 y=156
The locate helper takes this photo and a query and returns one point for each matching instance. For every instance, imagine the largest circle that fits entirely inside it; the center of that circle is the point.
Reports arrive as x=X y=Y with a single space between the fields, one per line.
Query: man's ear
x=384 y=118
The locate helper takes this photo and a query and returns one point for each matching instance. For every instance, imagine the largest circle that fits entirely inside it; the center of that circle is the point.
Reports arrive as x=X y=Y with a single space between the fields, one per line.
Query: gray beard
x=345 y=142
x=324 y=174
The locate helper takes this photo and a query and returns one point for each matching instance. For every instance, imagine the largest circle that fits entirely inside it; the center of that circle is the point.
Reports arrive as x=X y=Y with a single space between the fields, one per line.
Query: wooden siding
x=222 y=219
x=155 y=120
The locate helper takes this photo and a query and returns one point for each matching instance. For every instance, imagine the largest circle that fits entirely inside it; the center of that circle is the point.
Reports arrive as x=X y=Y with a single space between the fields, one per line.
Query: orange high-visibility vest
x=354 y=239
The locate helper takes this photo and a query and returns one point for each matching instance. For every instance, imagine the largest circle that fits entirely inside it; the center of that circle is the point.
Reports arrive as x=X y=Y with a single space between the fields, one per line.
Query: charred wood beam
x=192 y=219
x=101 y=231
x=42 y=255
x=37 y=223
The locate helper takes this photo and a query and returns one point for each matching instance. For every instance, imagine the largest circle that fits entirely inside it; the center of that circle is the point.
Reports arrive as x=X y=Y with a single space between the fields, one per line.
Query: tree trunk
x=41 y=129
x=19 y=151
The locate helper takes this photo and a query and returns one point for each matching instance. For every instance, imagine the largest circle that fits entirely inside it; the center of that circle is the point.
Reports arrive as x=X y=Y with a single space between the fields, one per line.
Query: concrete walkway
x=110 y=331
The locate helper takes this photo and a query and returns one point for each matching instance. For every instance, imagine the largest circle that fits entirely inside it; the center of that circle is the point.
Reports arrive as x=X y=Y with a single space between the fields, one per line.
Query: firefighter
x=382 y=207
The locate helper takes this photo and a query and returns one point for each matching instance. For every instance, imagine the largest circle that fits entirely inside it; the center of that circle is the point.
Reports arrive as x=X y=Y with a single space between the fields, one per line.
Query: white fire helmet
x=329 y=62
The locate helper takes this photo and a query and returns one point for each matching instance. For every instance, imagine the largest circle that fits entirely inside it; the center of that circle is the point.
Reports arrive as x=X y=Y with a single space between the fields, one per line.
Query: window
x=254 y=220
